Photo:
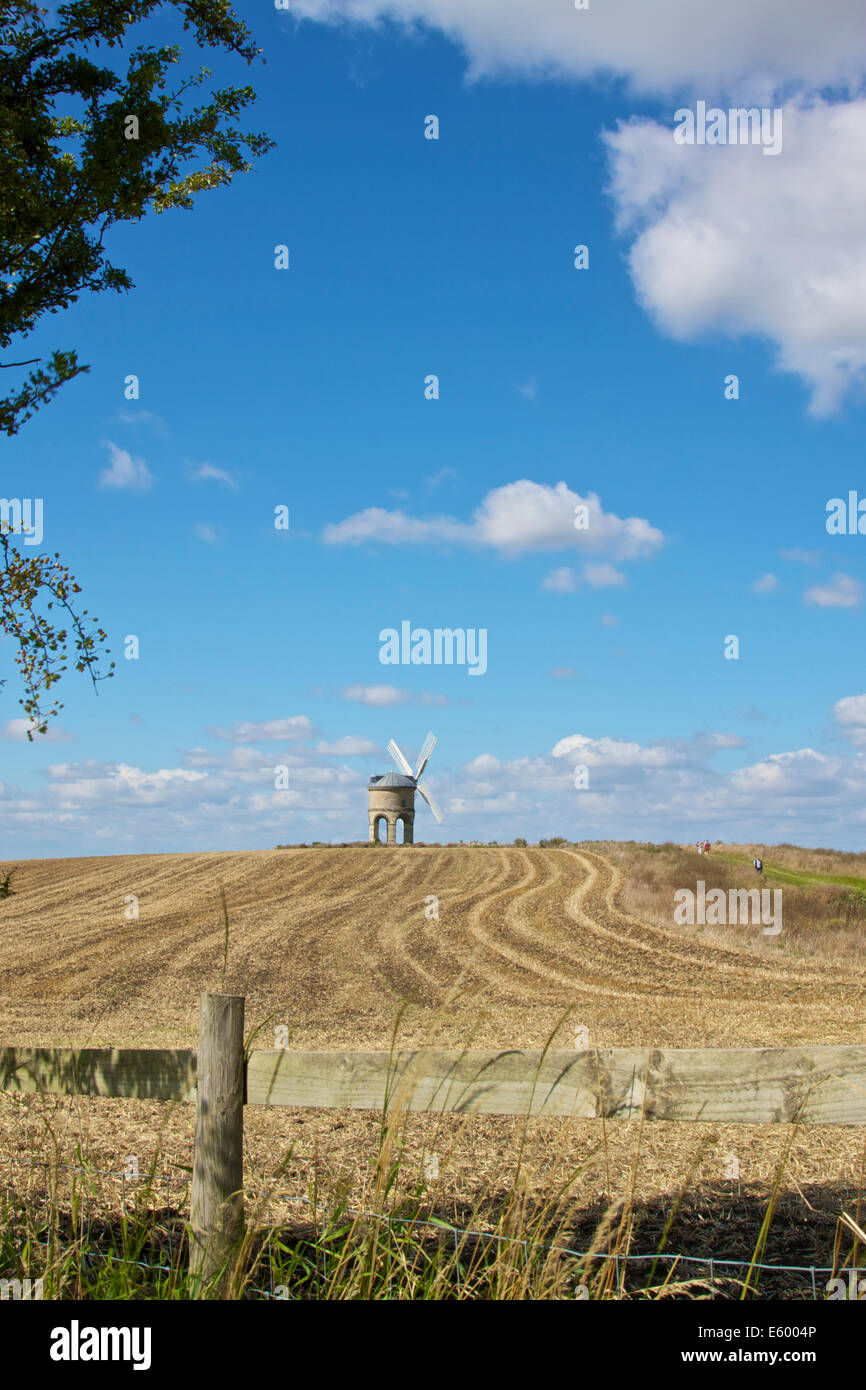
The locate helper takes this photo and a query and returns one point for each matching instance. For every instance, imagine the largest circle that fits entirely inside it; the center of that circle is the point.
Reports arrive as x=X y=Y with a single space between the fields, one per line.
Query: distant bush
x=520 y=842
x=553 y=843
x=853 y=904
x=5 y=885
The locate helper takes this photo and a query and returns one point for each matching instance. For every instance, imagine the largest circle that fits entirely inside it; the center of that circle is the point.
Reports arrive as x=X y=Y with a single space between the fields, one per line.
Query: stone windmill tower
x=392 y=797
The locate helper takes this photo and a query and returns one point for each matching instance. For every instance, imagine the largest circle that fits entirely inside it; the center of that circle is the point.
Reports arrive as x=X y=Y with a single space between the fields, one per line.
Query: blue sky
x=305 y=388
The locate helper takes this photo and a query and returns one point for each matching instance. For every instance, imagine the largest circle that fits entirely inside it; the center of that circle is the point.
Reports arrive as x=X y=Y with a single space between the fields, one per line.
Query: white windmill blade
x=399 y=760
x=424 y=755
x=428 y=797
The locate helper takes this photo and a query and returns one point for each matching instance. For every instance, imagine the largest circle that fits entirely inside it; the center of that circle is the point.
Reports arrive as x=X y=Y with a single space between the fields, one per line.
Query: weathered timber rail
x=741 y=1085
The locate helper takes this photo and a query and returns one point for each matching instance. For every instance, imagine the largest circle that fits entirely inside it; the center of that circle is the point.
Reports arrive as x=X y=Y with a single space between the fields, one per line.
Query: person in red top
x=706 y=846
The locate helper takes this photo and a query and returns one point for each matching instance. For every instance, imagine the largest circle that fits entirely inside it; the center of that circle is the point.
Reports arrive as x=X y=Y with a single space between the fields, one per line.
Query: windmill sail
x=428 y=797
x=429 y=745
x=399 y=760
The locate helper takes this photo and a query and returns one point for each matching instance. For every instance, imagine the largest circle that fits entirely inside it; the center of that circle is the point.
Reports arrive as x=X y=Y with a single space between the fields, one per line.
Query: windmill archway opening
x=404 y=830
x=380 y=830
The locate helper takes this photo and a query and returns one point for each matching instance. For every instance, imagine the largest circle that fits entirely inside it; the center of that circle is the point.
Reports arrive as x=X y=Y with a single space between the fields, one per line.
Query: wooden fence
x=745 y=1085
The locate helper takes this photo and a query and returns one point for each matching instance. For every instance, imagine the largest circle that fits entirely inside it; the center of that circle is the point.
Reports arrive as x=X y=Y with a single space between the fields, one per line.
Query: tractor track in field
x=335 y=942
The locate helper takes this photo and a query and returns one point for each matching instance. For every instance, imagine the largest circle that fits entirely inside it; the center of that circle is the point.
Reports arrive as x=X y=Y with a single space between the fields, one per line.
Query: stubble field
x=336 y=946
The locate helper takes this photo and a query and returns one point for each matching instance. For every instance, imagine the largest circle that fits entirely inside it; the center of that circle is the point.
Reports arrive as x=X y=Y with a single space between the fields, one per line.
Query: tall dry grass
x=821 y=920
x=74 y=1230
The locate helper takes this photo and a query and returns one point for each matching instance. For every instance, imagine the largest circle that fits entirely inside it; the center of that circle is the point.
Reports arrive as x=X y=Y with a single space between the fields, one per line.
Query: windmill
x=392 y=797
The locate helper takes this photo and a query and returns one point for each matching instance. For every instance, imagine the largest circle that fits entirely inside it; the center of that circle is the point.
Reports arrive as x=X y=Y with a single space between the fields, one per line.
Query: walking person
x=759 y=864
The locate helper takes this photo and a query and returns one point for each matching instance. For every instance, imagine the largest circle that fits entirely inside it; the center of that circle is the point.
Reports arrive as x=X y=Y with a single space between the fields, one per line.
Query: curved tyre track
x=332 y=942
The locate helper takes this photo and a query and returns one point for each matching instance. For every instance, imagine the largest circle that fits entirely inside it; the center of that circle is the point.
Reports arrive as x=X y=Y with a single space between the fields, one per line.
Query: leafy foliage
x=31 y=586
x=66 y=178
x=83 y=146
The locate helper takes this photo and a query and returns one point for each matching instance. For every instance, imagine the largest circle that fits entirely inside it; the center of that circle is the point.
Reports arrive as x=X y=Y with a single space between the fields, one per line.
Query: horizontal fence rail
x=745 y=1085
x=124 y=1073
x=763 y=1085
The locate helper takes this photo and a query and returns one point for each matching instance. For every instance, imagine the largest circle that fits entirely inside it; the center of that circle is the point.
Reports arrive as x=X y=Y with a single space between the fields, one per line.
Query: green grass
x=792 y=875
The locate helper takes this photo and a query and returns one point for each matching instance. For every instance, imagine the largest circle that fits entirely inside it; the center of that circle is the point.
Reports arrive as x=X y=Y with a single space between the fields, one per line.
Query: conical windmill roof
x=391 y=779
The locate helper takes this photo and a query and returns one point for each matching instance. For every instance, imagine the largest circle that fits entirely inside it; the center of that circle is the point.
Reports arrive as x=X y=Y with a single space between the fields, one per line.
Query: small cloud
x=766 y=584
x=714 y=738
x=440 y=477
x=850 y=712
x=429 y=697
x=201 y=757
x=378 y=695
x=135 y=719
x=561 y=581
x=529 y=389
x=141 y=417
x=208 y=472
x=841 y=592
x=18 y=729
x=204 y=532
x=602 y=576
x=125 y=471
x=608 y=620
x=801 y=557
x=562 y=673
x=265 y=730
x=349 y=747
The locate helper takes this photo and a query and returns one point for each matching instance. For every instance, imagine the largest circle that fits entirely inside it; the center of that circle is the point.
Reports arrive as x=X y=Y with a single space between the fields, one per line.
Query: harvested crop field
x=334 y=944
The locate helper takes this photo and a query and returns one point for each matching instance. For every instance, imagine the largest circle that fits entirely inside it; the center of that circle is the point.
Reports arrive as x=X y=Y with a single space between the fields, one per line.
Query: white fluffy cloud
x=565 y=581
x=664 y=789
x=765 y=584
x=727 y=239
x=667 y=44
x=602 y=576
x=382 y=696
x=124 y=471
x=561 y=581
x=265 y=730
x=850 y=712
x=379 y=696
x=519 y=517
x=840 y=592
x=802 y=772
x=614 y=753
x=117 y=783
x=350 y=746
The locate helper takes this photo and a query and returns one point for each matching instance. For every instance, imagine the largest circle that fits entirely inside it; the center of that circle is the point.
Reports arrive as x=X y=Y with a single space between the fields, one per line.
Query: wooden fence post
x=217 y=1198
